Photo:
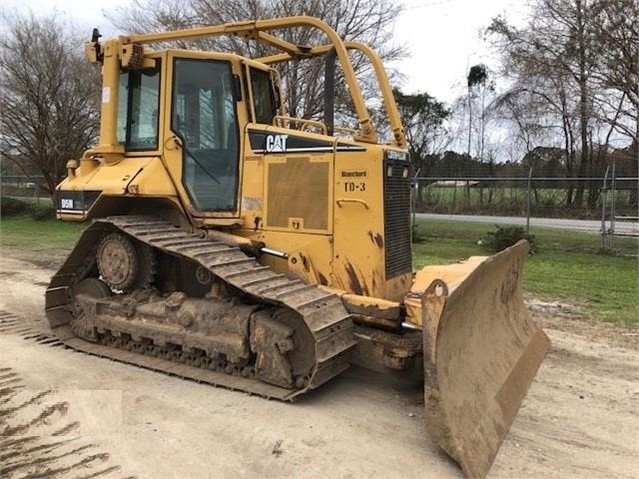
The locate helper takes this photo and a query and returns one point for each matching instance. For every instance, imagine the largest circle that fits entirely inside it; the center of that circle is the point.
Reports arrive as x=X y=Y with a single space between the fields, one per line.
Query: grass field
x=566 y=267
x=45 y=243
x=500 y=199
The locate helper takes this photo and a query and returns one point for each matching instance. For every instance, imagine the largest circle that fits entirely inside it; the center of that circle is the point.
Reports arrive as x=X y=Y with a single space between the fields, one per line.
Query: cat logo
x=276 y=143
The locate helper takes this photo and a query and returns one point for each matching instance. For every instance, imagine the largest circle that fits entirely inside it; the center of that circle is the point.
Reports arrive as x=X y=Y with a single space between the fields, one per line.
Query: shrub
x=505 y=236
x=14 y=207
x=418 y=235
x=44 y=213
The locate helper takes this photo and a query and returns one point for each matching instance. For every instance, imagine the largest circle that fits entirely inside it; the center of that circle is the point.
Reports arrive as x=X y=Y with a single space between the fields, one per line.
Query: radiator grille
x=397 y=232
x=298 y=189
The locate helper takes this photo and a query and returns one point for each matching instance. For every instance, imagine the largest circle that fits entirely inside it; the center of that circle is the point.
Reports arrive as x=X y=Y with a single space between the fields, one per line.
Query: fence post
x=37 y=195
x=414 y=202
x=604 y=196
x=612 y=207
x=528 y=201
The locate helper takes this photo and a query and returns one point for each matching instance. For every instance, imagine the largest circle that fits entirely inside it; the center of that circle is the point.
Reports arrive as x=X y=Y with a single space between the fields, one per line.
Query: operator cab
x=204 y=120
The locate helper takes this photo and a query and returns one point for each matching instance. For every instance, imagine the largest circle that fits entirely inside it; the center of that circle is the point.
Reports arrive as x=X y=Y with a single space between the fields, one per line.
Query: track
x=323 y=313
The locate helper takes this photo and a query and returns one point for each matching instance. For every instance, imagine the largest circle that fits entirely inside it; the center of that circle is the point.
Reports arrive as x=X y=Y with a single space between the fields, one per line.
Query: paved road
x=621 y=227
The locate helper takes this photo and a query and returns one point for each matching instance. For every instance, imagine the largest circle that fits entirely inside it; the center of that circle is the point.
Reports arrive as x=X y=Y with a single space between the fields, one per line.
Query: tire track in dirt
x=579 y=420
x=37 y=438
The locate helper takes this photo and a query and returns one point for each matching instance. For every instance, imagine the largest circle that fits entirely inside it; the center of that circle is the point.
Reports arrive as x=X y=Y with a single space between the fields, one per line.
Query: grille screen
x=397 y=219
x=298 y=189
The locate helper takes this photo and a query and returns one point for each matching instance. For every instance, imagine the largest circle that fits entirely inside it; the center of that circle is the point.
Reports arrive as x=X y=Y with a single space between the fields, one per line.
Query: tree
x=367 y=21
x=479 y=85
x=576 y=58
x=617 y=32
x=423 y=119
x=542 y=114
x=49 y=97
x=557 y=44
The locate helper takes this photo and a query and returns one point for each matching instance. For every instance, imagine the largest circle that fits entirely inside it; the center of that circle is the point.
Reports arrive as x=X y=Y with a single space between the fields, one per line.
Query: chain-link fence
x=20 y=186
x=30 y=189
x=608 y=205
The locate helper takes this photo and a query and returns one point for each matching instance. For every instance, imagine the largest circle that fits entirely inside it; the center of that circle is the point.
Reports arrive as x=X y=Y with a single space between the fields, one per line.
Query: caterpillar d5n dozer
x=240 y=247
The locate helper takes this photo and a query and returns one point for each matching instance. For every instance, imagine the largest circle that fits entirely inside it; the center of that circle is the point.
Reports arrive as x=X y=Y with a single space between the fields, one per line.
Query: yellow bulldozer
x=234 y=245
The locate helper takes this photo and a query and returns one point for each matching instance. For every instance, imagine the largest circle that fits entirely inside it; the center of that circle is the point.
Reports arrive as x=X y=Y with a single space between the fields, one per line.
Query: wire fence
x=577 y=198
x=27 y=188
x=607 y=205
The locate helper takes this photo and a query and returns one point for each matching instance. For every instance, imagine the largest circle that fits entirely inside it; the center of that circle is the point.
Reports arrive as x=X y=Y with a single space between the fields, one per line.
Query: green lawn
x=567 y=265
x=45 y=243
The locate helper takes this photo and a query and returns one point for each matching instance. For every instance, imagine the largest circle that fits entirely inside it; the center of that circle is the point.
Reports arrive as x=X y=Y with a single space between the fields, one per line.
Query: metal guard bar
x=255 y=30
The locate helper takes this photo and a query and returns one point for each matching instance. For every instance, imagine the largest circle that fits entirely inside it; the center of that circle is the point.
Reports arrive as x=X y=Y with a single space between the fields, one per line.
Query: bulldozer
x=231 y=244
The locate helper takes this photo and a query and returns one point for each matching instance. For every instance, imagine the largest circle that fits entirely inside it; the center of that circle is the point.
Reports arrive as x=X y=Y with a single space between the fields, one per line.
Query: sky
x=444 y=37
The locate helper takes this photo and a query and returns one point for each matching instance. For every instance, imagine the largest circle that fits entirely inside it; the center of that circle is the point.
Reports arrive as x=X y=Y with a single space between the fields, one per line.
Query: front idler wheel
x=124 y=264
x=117 y=261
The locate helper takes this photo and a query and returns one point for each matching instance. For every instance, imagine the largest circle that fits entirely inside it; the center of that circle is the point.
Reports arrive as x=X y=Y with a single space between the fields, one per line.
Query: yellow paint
x=112 y=179
x=432 y=284
x=153 y=180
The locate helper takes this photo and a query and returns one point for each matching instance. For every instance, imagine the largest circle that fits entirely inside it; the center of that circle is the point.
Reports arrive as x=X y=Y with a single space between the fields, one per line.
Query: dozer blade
x=481 y=353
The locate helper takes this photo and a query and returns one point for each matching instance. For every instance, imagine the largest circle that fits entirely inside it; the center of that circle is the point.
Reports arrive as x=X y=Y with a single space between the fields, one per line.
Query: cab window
x=138 y=106
x=263 y=97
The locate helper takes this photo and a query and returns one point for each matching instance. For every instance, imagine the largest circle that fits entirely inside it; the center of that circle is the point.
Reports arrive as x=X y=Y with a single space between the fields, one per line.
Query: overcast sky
x=443 y=36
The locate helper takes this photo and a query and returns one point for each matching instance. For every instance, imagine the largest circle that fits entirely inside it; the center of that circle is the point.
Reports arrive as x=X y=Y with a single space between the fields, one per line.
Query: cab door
x=204 y=129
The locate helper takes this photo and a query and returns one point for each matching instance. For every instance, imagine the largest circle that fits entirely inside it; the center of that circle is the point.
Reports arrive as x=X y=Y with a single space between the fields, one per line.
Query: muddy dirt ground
x=78 y=416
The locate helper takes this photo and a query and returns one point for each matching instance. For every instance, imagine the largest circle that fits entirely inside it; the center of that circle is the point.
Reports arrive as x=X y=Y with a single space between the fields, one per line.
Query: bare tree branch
x=367 y=21
x=49 y=96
